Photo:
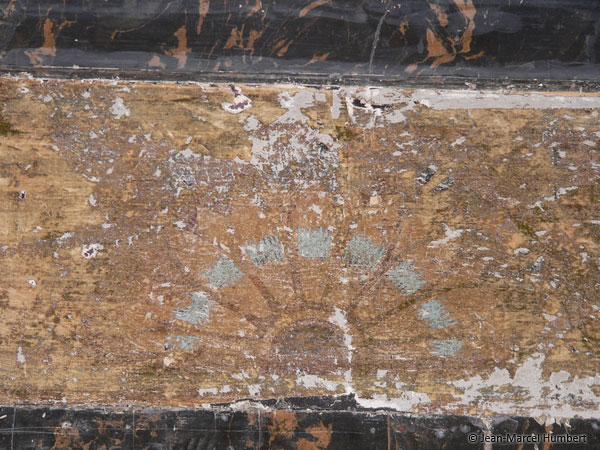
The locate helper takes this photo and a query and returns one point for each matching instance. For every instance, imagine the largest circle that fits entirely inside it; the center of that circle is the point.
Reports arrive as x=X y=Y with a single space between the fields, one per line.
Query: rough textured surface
x=406 y=39
x=127 y=211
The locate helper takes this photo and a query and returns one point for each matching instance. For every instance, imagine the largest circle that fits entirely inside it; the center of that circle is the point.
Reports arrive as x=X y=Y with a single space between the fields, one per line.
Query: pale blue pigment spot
x=186 y=342
x=406 y=278
x=267 y=251
x=446 y=347
x=362 y=252
x=223 y=275
x=198 y=311
x=434 y=313
x=314 y=243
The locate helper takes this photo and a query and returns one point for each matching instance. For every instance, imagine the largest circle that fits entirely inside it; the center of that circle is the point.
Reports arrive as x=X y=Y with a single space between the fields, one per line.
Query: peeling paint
x=528 y=392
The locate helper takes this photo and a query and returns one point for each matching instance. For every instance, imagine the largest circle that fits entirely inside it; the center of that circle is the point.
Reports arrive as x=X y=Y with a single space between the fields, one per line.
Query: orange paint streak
x=312 y=6
x=237 y=39
x=317 y=58
x=252 y=38
x=441 y=15
x=467 y=9
x=256 y=8
x=180 y=52
x=234 y=39
x=155 y=62
x=436 y=49
x=284 y=424
x=48 y=48
x=202 y=12
x=321 y=433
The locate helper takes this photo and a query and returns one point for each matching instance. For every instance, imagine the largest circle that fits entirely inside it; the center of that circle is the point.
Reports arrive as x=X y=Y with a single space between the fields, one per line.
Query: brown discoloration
x=179 y=183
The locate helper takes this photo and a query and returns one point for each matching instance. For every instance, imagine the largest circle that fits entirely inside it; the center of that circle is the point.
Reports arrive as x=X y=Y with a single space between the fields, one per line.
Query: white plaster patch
x=254 y=390
x=521 y=251
x=209 y=391
x=20 y=356
x=91 y=250
x=118 y=109
x=240 y=102
x=407 y=401
x=553 y=397
x=450 y=234
x=303 y=99
x=339 y=319
x=315 y=382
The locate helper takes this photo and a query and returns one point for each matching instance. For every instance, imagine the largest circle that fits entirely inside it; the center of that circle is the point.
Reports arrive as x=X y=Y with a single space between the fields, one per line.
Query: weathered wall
x=185 y=244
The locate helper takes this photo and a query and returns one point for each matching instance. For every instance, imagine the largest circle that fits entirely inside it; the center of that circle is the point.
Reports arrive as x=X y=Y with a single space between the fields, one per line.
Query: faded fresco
x=186 y=244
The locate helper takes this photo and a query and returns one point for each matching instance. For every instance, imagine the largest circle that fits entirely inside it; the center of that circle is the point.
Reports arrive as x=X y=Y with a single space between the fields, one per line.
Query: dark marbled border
x=304 y=423
x=368 y=40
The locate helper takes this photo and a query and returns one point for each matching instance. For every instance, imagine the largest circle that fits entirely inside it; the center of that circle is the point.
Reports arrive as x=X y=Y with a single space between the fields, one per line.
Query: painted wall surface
x=185 y=244
x=389 y=39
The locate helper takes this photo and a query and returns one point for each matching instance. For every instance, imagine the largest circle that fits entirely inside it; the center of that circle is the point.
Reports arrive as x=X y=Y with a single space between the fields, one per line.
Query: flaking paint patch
x=551 y=398
x=224 y=274
x=314 y=243
x=362 y=252
x=406 y=278
x=198 y=311
x=434 y=313
x=267 y=251
x=445 y=347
